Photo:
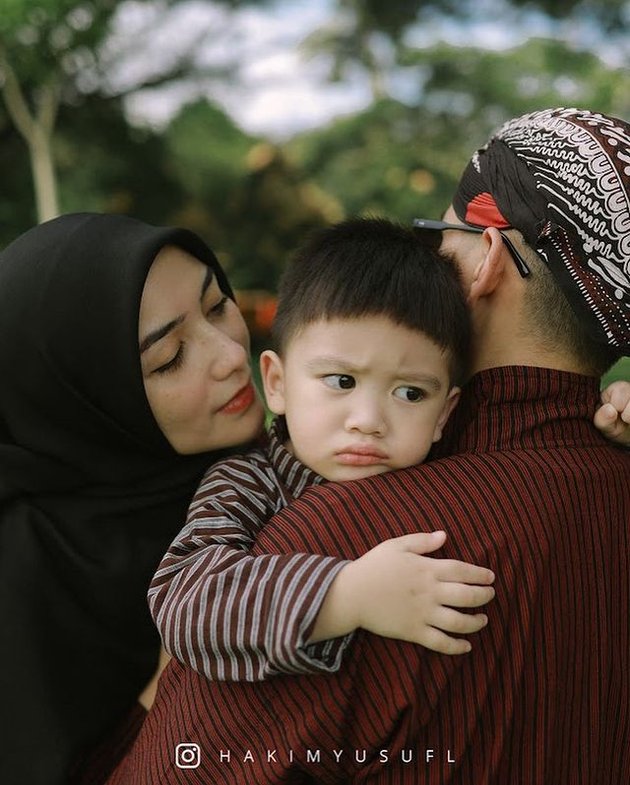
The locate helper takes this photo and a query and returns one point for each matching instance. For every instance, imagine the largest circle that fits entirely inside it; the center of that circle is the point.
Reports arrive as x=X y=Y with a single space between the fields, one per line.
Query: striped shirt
x=533 y=491
x=230 y=615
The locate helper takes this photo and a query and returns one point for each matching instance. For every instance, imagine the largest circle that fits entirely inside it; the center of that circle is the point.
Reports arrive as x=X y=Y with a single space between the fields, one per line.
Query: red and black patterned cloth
x=562 y=178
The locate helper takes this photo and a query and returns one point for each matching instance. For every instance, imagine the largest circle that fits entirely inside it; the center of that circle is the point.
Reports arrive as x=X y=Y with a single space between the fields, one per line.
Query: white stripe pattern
x=229 y=615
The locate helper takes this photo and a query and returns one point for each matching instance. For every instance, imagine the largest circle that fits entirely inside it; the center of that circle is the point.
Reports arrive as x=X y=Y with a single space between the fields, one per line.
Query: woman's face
x=194 y=351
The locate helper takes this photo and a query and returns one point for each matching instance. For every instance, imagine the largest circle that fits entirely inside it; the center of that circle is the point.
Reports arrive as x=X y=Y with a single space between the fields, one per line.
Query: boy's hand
x=397 y=592
x=613 y=416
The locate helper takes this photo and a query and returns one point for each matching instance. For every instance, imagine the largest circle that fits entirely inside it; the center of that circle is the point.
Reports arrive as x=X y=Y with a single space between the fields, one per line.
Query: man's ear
x=490 y=270
x=272 y=375
x=452 y=399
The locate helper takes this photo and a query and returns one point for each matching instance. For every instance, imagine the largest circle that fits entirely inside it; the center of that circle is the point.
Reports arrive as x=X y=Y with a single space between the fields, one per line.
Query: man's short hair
x=555 y=324
x=374 y=267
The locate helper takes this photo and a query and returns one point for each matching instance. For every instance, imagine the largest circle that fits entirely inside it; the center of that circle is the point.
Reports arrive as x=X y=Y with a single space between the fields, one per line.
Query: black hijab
x=91 y=493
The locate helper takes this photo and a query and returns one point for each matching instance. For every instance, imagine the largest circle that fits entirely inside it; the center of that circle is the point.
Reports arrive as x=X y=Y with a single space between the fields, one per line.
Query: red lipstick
x=241 y=401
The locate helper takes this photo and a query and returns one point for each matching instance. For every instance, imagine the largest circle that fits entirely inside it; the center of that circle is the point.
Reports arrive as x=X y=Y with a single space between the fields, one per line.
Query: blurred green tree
x=104 y=164
x=403 y=160
x=52 y=54
x=368 y=34
x=242 y=193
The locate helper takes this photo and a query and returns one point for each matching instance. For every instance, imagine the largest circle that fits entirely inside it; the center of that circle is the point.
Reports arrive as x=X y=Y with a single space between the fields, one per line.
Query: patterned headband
x=562 y=178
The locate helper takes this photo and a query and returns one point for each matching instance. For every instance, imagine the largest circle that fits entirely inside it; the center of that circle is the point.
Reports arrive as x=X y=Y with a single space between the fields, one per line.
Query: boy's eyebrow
x=324 y=362
x=421 y=378
x=332 y=360
x=156 y=335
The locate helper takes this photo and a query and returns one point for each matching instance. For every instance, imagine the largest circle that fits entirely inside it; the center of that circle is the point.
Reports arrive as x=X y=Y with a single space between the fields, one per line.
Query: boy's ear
x=272 y=375
x=489 y=271
x=452 y=399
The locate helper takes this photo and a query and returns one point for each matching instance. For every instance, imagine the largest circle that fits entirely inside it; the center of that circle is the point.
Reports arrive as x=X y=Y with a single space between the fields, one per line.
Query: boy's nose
x=366 y=417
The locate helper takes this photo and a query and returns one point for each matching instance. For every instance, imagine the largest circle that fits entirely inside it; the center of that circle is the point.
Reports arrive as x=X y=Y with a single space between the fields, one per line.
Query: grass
x=620 y=370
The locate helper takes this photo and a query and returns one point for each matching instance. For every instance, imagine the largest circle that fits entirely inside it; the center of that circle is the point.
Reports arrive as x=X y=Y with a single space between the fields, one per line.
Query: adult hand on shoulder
x=613 y=416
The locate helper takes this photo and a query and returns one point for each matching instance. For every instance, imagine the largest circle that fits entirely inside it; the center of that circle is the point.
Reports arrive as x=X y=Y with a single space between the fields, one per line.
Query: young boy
x=372 y=337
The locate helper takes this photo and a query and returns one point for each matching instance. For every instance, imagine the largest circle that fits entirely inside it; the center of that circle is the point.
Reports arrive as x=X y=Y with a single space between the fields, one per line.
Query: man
x=540 y=230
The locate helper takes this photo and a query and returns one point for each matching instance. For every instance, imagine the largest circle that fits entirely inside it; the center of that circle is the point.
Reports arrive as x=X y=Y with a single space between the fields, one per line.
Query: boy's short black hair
x=369 y=267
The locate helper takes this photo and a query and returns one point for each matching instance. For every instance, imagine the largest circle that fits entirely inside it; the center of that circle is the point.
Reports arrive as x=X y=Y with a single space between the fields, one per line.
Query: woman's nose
x=227 y=354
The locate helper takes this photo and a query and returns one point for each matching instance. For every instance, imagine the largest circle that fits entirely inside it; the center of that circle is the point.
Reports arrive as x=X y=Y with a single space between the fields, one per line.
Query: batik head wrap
x=562 y=178
x=91 y=492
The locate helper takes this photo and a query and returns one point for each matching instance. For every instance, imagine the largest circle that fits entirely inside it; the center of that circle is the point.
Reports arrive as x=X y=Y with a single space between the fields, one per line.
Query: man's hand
x=613 y=416
x=397 y=592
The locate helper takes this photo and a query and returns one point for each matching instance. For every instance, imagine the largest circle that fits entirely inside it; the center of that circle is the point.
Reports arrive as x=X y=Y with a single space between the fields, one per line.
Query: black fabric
x=91 y=493
x=512 y=186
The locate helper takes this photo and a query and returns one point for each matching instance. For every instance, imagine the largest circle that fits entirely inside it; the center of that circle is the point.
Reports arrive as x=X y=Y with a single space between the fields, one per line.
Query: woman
x=91 y=490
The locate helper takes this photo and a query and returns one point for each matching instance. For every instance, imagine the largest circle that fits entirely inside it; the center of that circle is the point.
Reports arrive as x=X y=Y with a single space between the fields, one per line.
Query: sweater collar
x=294 y=475
x=522 y=407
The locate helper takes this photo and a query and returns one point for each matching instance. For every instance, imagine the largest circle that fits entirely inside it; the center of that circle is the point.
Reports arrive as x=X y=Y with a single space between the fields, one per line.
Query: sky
x=279 y=90
x=275 y=89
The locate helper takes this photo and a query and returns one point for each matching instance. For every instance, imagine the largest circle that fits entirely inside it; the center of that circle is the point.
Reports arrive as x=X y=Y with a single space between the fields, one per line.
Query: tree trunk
x=42 y=167
x=37 y=129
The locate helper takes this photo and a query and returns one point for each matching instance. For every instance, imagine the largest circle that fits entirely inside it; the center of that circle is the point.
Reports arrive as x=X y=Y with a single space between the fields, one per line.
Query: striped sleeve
x=227 y=614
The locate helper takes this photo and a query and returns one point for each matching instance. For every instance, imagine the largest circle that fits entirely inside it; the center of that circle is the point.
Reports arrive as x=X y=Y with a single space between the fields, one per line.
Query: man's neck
x=496 y=349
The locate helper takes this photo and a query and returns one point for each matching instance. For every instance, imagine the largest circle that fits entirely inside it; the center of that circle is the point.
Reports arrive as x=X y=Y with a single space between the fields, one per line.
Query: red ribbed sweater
x=534 y=492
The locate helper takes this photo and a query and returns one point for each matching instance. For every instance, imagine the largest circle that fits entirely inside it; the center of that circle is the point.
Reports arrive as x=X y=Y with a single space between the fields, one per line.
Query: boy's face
x=361 y=396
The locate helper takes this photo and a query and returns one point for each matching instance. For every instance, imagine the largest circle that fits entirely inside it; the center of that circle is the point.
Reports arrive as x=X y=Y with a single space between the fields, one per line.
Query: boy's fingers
x=462 y=572
x=461 y=595
x=606 y=419
x=450 y=620
x=613 y=423
x=420 y=542
x=618 y=394
x=438 y=641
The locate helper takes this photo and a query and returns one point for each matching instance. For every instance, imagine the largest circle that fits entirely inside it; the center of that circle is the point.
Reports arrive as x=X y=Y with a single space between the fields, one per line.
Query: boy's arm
x=232 y=616
x=613 y=416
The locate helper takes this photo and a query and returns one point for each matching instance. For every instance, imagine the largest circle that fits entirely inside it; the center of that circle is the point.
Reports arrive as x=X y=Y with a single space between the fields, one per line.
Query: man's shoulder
x=485 y=467
x=468 y=485
x=518 y=491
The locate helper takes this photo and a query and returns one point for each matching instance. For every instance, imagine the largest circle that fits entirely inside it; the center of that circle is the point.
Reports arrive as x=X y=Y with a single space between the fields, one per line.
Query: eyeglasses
x=438 y=226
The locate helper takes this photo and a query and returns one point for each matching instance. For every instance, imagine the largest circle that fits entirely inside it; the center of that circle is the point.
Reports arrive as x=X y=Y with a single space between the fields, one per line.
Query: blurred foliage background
x=70 y=140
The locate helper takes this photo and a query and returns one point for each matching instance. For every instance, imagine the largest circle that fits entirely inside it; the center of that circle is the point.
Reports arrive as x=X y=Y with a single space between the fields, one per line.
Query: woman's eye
x=410 y=394
x=339 y=381
x=173 y=363
x=218 y=308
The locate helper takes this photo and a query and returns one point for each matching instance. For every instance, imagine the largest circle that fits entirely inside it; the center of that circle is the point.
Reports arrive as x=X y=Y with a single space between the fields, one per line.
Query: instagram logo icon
x=187 y=756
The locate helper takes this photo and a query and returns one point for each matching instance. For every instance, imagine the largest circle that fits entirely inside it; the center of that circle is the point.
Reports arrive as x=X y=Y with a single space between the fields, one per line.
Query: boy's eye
x=339 y=381
x=411 y=394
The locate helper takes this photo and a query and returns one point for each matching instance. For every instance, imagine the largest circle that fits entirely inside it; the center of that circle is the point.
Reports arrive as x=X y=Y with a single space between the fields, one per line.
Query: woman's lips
x=241 y=401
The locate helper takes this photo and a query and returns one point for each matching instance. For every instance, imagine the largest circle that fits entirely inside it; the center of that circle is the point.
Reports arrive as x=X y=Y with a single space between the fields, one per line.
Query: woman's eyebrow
x=206 y=281
x=158 y=334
